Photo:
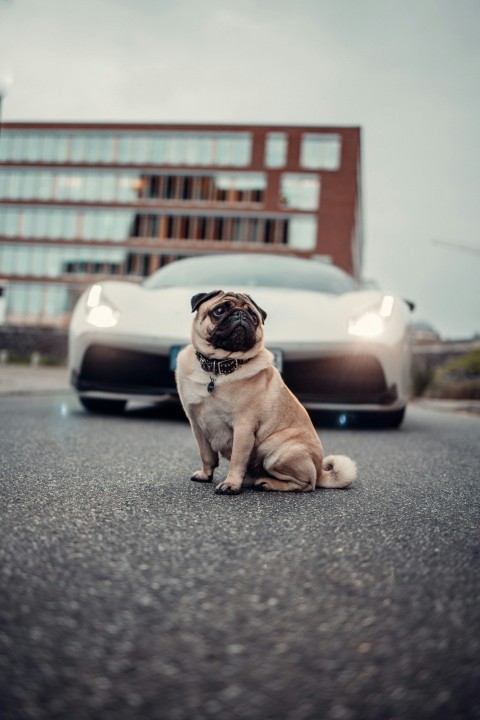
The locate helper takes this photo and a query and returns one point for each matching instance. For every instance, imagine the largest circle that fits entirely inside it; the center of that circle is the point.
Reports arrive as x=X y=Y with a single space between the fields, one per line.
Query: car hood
x=294 y=317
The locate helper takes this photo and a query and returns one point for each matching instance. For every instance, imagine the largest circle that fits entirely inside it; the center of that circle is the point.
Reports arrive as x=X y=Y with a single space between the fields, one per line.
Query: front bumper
x=123 y=373
x=341 y=381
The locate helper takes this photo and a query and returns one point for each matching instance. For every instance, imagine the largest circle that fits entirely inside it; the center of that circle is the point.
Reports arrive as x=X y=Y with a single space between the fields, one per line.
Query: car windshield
x=255 y=271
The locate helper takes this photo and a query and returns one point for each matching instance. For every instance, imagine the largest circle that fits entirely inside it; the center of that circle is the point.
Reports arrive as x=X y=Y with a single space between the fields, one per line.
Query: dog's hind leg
x=271 y=484
x=297 y=474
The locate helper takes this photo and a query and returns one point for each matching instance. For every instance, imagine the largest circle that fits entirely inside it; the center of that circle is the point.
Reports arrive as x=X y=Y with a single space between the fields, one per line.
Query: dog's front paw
x=201 y=476
x=227 y=488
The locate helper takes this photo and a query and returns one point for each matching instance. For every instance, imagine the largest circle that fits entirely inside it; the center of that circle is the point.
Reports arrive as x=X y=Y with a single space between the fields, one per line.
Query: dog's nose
x=239 y=316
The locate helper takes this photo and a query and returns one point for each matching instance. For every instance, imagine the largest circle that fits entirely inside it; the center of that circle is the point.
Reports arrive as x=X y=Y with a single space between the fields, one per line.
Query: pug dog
x=239 y=407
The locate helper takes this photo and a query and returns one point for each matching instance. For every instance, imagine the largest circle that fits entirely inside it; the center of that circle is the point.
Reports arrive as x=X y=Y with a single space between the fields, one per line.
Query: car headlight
x=372 y=323
x=100 y=311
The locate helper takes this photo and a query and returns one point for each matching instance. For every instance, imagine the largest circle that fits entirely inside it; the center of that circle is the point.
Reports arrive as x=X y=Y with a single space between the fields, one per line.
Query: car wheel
x=107 y=407
x=393 y=419
x=385 y=420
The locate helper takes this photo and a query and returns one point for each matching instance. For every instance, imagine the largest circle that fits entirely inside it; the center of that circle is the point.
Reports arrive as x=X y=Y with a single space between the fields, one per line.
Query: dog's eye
x=218 y=311
x=254 y=317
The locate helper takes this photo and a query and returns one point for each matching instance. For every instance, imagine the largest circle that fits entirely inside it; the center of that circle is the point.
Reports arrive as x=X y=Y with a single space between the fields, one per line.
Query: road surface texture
x=127 y=591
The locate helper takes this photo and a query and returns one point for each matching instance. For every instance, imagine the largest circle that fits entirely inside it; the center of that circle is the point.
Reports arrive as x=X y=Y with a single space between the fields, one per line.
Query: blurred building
x=81 y=202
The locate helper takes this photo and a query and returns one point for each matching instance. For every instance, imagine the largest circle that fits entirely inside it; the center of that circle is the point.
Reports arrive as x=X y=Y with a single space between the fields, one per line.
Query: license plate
x=277 y=357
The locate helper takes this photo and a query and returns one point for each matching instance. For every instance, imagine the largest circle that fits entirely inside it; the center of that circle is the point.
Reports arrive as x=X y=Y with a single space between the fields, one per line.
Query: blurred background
x=405 y=74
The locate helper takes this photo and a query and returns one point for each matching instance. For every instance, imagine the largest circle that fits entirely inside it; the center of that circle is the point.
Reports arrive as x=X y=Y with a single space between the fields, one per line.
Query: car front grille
x=110 y=369
x=349 y=379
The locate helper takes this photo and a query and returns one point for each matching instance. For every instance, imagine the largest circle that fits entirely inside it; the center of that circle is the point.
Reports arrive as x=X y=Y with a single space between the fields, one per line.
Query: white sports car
x=338 y=347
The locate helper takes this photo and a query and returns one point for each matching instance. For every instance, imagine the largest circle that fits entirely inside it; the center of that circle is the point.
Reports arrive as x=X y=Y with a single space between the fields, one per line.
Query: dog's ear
x=262 y=312
x=200 y=298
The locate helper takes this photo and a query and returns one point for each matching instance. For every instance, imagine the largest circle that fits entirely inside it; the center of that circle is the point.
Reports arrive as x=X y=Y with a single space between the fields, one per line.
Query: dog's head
x=227 y=321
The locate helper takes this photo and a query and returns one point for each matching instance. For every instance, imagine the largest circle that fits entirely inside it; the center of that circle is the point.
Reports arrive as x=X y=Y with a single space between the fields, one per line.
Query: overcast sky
x=406 y=71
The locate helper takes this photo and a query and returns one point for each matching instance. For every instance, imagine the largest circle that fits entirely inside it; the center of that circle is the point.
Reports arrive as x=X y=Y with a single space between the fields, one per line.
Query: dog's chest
x=198 y=388
x=216 y=424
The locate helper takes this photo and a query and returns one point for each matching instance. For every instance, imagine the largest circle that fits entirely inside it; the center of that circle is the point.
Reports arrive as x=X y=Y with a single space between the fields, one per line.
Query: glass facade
x=55 y=261
x=222 y=149
x=33 y=303
x=82 y=203
x=129 y=187
x=117 y=226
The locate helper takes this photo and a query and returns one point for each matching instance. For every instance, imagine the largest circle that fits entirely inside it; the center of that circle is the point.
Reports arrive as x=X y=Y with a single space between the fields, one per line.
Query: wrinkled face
x=228 y=321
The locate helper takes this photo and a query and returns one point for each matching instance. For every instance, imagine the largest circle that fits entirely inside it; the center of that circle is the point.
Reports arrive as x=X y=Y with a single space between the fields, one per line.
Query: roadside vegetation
x=30 y=358
x=458 y=379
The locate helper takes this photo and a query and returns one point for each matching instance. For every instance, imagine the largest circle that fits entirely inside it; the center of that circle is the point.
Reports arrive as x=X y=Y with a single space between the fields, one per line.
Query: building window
x=320 y=151
x=55 y=262
x=302 y=232
x=298 y=231
x=6 y=145
x=98 y=148
x=224 y=149
x=300 y=191
x=239 y=188
x=276 y=146
x=45 y=186
x=224 y=228
x=78 y=148
x=103 y=186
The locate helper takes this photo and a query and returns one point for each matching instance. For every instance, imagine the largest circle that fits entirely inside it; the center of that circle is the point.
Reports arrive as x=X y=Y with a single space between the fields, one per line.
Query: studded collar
x=219 y=367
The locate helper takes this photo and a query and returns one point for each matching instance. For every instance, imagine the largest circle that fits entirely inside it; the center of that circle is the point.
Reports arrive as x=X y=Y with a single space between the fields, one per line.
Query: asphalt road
x=127 y=591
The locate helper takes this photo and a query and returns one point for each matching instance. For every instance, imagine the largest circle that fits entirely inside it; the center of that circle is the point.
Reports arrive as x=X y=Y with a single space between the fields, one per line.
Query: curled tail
x=338 y=471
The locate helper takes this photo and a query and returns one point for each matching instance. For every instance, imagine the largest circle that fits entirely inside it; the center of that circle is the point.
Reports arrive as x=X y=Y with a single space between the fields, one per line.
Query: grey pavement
x=24 y=379
x=130 y=593
x=460 y=406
